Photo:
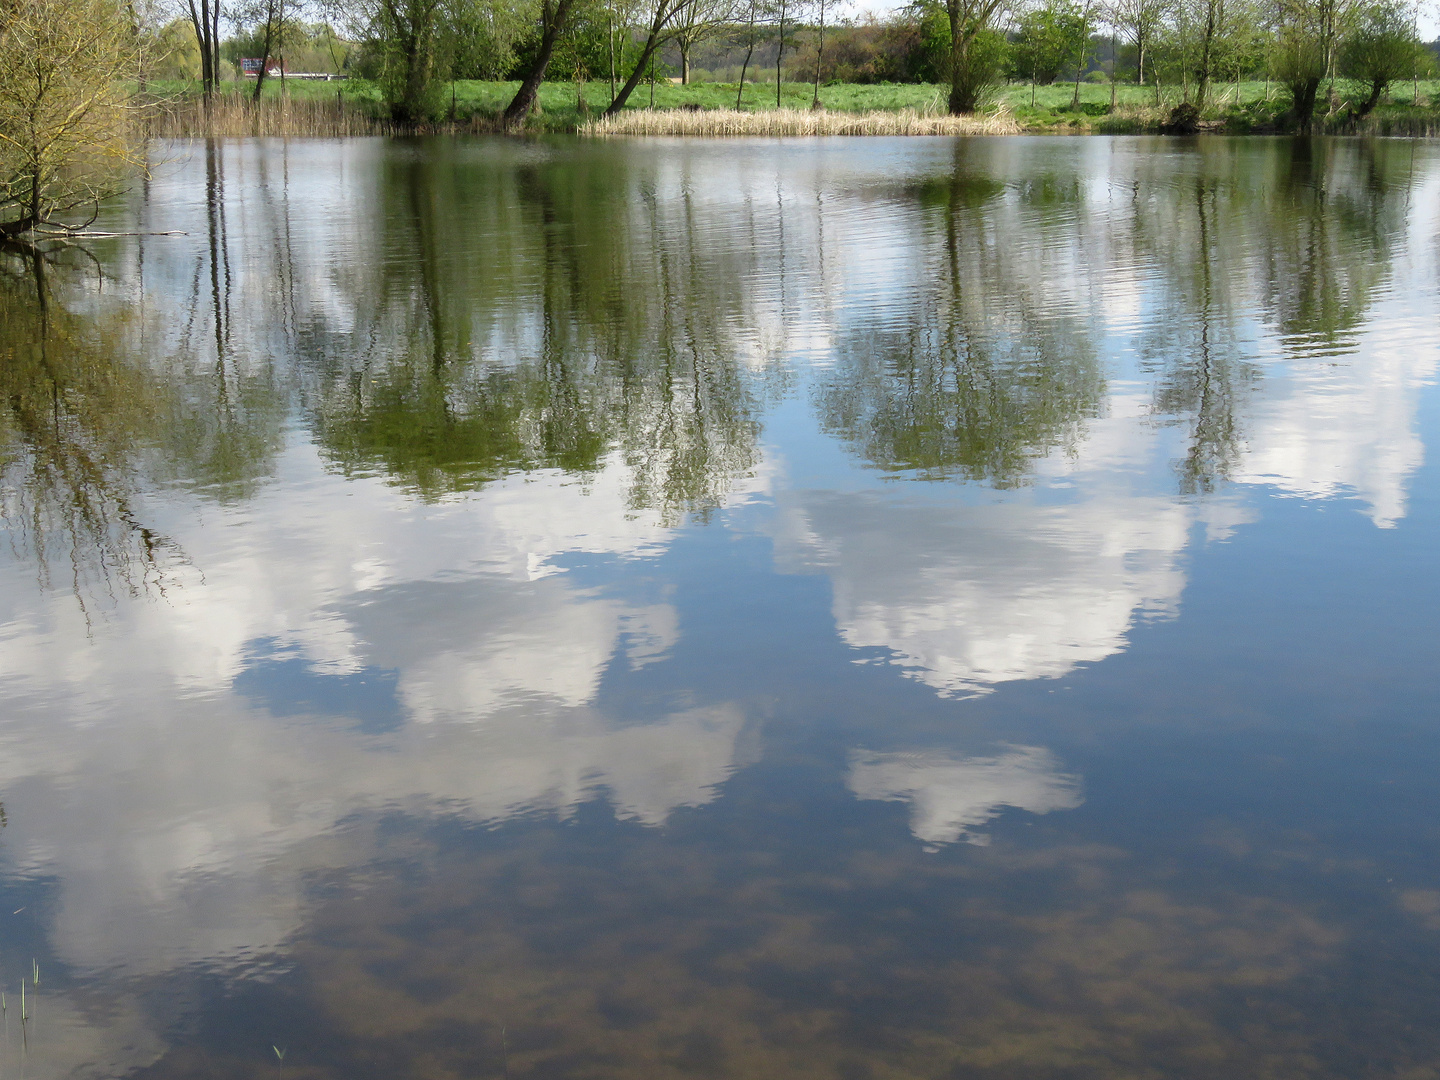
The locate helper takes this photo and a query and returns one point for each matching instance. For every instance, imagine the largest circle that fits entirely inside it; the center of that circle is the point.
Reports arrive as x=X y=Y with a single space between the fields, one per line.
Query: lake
x=859 y=609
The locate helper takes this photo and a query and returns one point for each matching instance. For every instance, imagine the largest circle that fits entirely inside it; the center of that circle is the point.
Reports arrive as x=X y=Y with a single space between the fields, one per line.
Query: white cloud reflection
x=950 y=796
x=183 y=760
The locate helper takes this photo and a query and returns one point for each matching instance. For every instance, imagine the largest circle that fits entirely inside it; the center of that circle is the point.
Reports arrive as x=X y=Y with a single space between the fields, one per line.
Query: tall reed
x=189 y=118
x=722 y=122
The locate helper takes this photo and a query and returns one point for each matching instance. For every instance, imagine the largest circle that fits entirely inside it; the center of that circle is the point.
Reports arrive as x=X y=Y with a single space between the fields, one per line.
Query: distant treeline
x=413 y=48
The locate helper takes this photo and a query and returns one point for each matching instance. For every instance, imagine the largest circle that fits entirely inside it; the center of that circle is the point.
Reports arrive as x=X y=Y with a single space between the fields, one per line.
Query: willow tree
x=973 y=52
x=65 y=118
x=406 y=34
x=1383 y=48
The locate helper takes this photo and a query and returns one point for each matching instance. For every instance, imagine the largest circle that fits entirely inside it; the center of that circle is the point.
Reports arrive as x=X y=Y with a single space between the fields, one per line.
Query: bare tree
x=664 y=15
x=1086 y=16
x=700 y=20
x=1138 y=22
x=782 y=10
x=750 y=35
x=819 y=53
x=65 y=116
x=269 y=15
x=206 y=20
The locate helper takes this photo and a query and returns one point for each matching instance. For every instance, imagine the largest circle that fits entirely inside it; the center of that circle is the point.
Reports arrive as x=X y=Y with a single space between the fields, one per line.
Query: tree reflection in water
x=76 y=418
x=614 y=357
x=754 y=900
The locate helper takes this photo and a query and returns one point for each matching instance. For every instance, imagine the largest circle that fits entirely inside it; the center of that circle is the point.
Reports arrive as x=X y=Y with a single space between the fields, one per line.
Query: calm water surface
x=856 y=609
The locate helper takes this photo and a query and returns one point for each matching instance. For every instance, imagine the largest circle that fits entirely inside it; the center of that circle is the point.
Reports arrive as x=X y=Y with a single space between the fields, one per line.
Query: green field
x=1256 y=106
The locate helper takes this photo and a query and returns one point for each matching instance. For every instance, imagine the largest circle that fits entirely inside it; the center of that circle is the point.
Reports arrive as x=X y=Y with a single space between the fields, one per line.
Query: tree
x=1042 y=44
x=482 y=37
x=65 y=121
x=1245 y=42
x=1138 y=22
x=268 y=18
x=178 y=51
x=974 y=56
x=661 y=26
x=206 y=20
x=1305 y=43
x=405 y=34
x=819 y=53
x=1076 y=25
x=554 y=16
x=782 y=10
x=1383 y=48
x=750 y=36
x=698 y=21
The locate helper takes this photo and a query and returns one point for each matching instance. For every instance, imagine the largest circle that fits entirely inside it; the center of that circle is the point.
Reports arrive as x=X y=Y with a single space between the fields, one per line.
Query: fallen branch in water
x=107 y=235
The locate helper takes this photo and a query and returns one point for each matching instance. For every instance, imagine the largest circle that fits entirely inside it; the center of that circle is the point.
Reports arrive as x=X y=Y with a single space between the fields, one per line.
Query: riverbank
x=352 y=108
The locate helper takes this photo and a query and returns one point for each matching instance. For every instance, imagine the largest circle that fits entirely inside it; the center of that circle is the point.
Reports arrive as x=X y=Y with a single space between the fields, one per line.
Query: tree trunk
x=200 y=19
x=684 y=63
x=652 y=42
x=1080 y=57
x=260 y=75
x=1302 y=109
x=779 y=53
x=819 y=57
x=552 y=26
x=1114 y=67
x=749 y=52
x=959 y=103
x=1377 y=87
x=214 y=45
x=1203 y=82
x=264 y=54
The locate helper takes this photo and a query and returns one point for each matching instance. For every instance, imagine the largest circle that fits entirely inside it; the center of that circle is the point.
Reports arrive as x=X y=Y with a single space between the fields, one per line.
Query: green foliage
x=1305 y=37
x=177 y=51
x=933 y=45
x=305 y=46
x=406 y=44
x=1045 y=41
x=871 y=51
x=483 y=36
x=981 y=68
x=1382 y=49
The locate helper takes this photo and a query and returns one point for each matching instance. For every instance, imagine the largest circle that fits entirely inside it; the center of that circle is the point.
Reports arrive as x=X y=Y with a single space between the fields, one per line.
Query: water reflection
x=557 y=566
x=964 y=597
x=950 y=797
x=75 y=420
x=613 y=354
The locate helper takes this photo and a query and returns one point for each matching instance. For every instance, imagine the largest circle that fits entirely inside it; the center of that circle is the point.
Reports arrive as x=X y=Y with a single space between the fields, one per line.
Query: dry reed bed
x=240 y=118
x=802 y=122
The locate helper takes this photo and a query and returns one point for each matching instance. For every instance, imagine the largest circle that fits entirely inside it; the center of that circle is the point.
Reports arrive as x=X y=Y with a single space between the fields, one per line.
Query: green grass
x=1258 y=105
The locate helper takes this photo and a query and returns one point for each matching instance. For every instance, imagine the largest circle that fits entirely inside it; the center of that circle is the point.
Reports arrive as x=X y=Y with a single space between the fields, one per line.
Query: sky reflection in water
x=851 y=608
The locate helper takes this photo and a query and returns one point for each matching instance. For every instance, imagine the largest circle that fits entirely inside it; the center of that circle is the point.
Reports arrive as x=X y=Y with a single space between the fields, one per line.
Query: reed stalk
x=230 y=117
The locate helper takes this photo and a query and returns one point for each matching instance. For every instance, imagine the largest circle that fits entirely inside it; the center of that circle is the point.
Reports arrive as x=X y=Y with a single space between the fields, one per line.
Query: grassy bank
x=354 y=107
